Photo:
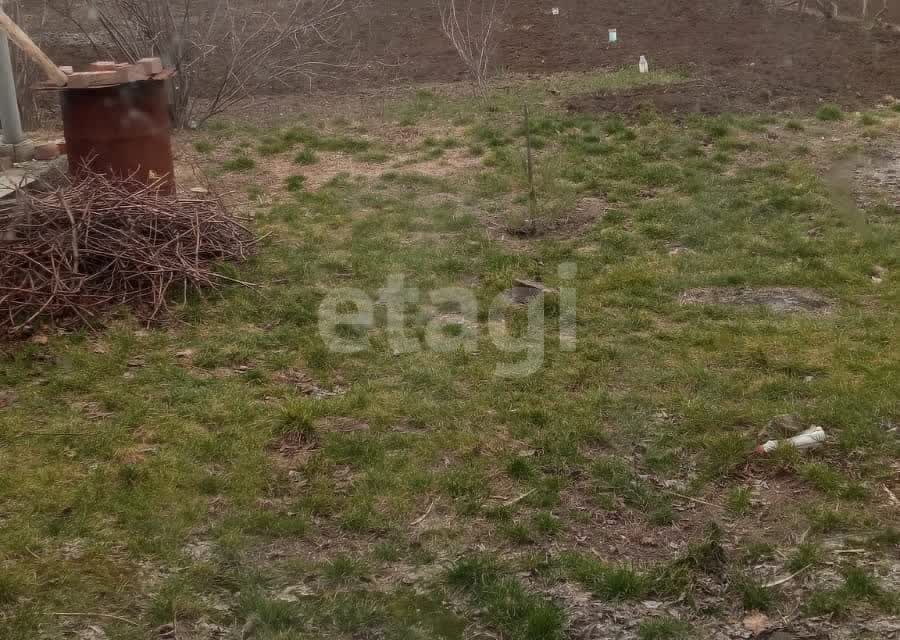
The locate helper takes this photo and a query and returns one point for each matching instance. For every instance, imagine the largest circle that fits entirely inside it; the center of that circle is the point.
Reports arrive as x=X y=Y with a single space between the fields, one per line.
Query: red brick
x=150 y=66
x=45 y=152
x=135 y=73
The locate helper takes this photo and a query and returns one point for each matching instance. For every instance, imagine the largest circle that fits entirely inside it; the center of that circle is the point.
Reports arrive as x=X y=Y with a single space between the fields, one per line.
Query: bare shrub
x=470 y=26
x=222 y=50
x=870 y=11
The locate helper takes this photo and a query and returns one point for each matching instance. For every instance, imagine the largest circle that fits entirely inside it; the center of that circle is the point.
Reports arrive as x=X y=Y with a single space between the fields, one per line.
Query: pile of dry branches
x=68 y=256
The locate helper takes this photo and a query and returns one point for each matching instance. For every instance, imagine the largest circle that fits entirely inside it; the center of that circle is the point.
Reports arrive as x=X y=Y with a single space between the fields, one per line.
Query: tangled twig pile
x=67 y=256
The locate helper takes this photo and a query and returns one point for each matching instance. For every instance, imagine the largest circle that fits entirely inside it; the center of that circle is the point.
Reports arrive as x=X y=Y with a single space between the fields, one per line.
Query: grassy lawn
x=231 y=475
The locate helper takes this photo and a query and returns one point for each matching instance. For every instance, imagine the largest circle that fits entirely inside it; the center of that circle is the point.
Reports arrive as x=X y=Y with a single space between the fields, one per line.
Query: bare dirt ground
x=740 y=55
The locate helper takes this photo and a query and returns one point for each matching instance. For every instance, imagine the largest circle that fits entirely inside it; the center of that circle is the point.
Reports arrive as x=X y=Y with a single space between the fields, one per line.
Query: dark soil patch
x=691 y=98
x=877 y=180
x=563 y=227
x=293 y=446
x=6 y=399
x=341 y=424
x=748 y=59
x=776 y=299
x=587 y=212
x=305 y=384
x=676 y=99
x=743 y=55
x=758 y=61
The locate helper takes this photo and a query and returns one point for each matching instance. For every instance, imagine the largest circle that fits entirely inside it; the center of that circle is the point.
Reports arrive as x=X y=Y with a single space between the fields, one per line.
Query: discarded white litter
x=809 y=439
x=613 y=36
x=643 y=65
x=555 y=11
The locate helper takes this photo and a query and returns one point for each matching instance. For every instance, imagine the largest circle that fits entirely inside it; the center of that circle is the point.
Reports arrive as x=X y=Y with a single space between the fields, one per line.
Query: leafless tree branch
x=470 y=27
x=223 y=53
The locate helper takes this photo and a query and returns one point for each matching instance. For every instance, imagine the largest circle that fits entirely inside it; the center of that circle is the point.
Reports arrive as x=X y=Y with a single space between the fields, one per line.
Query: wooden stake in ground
x=21 y=39
x=532 y=194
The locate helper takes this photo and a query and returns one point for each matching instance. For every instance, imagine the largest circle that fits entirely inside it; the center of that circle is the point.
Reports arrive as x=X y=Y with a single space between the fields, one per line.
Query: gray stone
x=15 y=178
x=47 y=174
x=22 y=152
x=786 y=425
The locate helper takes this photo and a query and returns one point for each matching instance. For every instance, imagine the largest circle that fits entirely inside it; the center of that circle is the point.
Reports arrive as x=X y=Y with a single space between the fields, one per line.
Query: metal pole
x=9 y=106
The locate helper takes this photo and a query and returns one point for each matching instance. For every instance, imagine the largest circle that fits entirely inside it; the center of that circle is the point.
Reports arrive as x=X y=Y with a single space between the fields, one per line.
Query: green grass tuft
x=805 y=555
x=830 y=113
x=272 y=146
x=298 y=418
x=295 y=183
x=754 y=596
x=306 y=157
x=615 y=477
x=506 y=604
x=10 y=588
x=664 y=628
x=888 y=537
x=203 y=146
x=859 y=587
x=343 y=569
x=738 y=501
x=605 y=581
x=240 y=163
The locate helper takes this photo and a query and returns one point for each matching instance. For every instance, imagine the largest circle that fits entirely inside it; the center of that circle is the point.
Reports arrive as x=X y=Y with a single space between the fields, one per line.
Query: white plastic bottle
x=809 y=439
x=643 y=65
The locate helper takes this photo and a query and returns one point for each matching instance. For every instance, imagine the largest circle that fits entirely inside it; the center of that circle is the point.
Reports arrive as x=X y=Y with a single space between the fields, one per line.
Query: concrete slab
x=27 y=173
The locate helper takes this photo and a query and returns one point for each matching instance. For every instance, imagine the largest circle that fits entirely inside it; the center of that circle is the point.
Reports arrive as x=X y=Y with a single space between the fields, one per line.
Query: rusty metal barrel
x=123 y=130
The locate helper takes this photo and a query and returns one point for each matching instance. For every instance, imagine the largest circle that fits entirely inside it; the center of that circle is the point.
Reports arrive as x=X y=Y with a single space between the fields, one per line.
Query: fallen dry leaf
x=6 y=398
x=304 y=383
x=341 y=424
x=92 y=410
x=756 y=623
x=98 y=347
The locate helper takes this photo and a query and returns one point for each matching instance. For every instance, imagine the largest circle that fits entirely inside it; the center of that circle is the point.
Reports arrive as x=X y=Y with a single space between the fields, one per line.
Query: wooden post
x=532 y=194
x=21 y=39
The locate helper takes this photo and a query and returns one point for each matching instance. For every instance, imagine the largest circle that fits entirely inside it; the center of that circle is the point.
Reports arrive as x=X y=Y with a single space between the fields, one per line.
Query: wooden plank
x=87 y=79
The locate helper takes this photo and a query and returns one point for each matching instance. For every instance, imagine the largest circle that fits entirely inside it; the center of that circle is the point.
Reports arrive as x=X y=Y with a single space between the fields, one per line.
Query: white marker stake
x=613 y=36
x=643 y=65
